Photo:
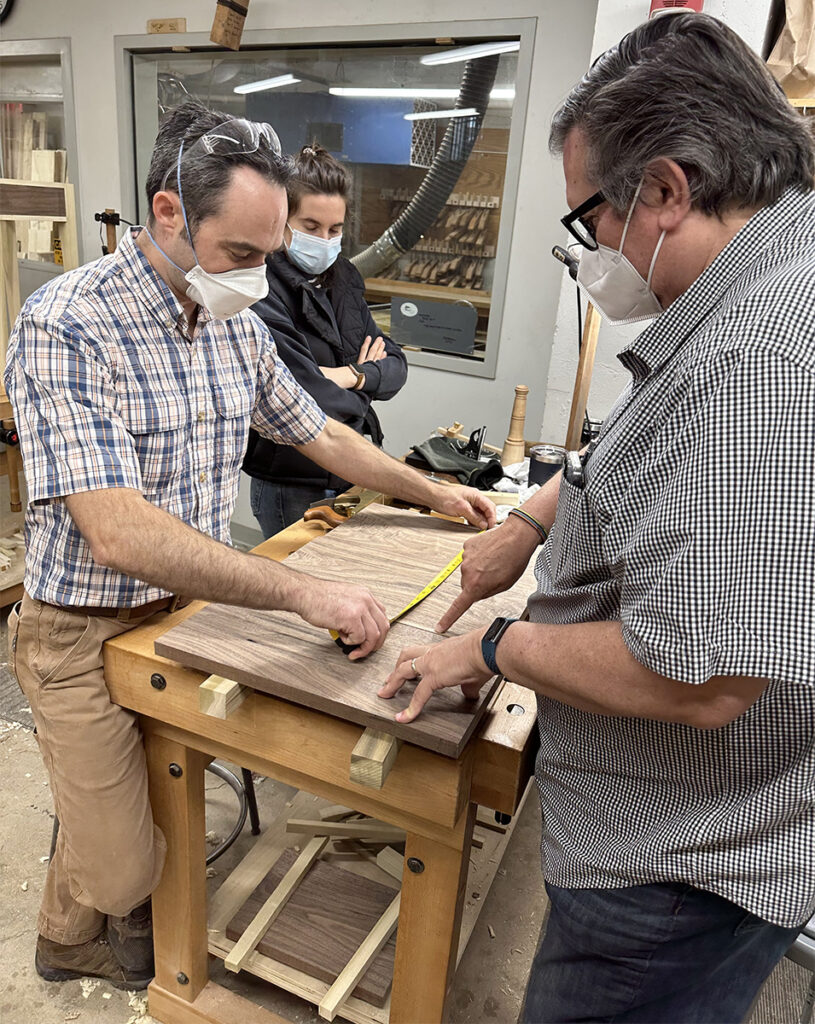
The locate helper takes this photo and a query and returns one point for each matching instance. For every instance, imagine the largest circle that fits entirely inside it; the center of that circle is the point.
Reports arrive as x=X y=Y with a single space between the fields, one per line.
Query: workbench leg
x=180 y=901
x=429 y=923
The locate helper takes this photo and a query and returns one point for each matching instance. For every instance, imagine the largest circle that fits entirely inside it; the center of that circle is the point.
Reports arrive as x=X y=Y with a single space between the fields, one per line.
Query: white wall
x=538 y=303
x=614 y=19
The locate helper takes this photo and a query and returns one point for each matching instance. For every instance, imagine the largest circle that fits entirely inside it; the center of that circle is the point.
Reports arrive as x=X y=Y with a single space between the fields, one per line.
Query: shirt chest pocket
x=158 y=420
x=575 y=539
x=233 y=408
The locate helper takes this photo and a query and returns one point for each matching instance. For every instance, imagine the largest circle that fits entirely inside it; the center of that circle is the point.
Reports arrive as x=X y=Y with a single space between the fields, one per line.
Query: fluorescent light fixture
x=266 y=83
x=407 y=93
x=471 y=52
x=425 y=115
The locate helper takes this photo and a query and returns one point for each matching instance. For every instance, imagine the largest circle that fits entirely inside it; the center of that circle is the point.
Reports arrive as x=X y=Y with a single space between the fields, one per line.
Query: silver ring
x=416 y=673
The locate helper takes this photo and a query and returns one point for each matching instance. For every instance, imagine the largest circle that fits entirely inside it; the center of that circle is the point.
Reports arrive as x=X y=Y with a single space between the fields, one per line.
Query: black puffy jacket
x=321 y=322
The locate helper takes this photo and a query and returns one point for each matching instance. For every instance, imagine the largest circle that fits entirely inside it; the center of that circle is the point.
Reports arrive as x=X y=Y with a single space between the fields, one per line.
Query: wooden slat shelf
x=379 y=289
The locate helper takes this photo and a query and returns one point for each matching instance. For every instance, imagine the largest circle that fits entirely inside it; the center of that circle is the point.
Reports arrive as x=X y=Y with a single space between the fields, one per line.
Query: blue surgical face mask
x=311 y=254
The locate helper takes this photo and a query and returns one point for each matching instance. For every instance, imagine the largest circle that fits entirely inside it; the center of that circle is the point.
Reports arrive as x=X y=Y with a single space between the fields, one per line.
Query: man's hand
x=466 y=502
x=371 y=351
x=352 y=611
x=492 y=563
x=455 y=662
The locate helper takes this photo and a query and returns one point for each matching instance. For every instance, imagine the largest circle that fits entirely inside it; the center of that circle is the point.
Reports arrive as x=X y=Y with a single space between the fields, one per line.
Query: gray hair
x=686 y=87
x=204 y=176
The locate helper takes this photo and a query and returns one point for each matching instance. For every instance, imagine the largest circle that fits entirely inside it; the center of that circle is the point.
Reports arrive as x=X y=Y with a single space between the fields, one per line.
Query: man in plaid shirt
x=671 y=642
x=134 y=381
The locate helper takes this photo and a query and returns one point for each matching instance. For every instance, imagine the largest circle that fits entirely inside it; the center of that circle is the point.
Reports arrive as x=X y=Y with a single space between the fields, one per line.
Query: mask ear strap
x=163 y=253
x=654 y=258
x=627 y=219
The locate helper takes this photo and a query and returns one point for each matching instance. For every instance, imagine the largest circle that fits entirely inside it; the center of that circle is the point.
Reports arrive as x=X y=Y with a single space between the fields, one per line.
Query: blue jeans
x=276 y=506
x=661 y=954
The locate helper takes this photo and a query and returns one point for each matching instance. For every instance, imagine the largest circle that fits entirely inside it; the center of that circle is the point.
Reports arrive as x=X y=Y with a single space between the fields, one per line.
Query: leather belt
x=139 y=611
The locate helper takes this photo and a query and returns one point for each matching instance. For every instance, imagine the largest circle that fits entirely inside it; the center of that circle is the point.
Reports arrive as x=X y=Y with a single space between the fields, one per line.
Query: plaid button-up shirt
x=695 y=528
x=109 y=390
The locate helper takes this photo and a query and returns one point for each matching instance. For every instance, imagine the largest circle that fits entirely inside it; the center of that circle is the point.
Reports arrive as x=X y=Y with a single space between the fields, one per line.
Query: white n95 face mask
x=311 y=254
x=228 y=293
x=613 y=283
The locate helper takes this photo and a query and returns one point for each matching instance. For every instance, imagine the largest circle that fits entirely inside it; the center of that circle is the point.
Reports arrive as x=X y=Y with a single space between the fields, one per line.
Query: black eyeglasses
x=577 y=227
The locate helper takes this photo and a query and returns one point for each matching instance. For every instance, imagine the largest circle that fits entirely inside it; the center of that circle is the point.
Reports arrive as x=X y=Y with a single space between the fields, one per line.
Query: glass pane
x=360 y=103
x=32 y=137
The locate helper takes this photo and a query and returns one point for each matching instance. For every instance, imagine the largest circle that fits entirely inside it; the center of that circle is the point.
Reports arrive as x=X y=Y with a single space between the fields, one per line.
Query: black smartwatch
x=489 y=642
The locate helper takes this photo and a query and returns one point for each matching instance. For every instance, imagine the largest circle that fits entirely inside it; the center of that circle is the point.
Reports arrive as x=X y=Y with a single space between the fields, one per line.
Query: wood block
x=278 y=653
x=31 y=199
x=372 y=758
x=227 y=27
x=219 y=697
x=391 y=862
x=323 y=923
x=271 y=909
x=166 y=25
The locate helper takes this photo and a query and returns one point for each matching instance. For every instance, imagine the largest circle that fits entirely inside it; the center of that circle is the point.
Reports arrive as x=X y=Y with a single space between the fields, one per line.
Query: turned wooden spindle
x=513 y=450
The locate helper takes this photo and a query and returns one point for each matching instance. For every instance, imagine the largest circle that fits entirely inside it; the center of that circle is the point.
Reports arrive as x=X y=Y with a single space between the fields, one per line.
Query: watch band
x=360 y=376
x=489 y=642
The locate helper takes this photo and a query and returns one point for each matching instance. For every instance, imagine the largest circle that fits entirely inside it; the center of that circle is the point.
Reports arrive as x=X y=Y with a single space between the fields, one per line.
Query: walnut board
x=324 y=921
x=395 y=554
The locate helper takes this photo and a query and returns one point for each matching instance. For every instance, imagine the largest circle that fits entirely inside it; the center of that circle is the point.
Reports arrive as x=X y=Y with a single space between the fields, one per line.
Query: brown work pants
x=109 y=854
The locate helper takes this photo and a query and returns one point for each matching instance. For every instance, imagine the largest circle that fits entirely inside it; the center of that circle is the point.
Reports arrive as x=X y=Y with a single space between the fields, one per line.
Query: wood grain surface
x=395 y=554
x=325 y=919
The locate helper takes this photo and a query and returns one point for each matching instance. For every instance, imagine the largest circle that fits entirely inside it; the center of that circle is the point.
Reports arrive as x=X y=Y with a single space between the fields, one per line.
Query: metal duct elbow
x=442 y=175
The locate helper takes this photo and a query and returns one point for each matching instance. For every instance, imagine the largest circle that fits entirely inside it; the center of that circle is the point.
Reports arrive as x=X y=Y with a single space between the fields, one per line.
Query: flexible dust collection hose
x=442 y=175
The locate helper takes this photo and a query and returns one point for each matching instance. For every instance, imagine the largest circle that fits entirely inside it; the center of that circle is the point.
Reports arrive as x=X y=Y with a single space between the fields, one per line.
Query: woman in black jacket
x=325 y=334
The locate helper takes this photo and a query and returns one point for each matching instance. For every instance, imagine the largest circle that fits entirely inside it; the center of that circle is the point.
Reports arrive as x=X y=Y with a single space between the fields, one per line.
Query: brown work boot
x=91 y=959
x=131 y=939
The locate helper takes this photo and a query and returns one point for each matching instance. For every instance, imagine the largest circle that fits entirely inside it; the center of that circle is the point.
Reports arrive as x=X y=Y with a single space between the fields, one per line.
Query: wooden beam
x=274 y=904
x=372 y=758
x=582 y=382
x=180 y=904
x=219 y=697
x=370 y=831
x=360 y=961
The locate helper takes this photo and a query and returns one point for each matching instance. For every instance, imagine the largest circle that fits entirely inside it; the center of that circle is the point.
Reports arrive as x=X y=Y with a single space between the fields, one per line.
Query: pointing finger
x=455 y=611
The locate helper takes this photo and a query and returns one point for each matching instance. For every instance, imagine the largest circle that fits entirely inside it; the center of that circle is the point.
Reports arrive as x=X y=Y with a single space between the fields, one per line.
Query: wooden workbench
x=432 y=797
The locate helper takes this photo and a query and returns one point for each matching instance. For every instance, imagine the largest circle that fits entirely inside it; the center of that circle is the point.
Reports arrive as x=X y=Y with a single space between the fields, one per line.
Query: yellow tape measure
x=431 y=586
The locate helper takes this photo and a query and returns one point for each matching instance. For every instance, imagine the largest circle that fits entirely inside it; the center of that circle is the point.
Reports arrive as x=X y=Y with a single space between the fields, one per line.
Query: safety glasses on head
x=238 y=135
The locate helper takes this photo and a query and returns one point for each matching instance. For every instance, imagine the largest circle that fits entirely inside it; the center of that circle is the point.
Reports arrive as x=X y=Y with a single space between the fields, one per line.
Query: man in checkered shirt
x=134 y=381
x=671 y=641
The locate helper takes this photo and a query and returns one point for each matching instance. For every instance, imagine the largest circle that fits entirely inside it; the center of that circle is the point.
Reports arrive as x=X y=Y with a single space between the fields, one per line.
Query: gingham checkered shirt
x=109 y=390
x=695 y=528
